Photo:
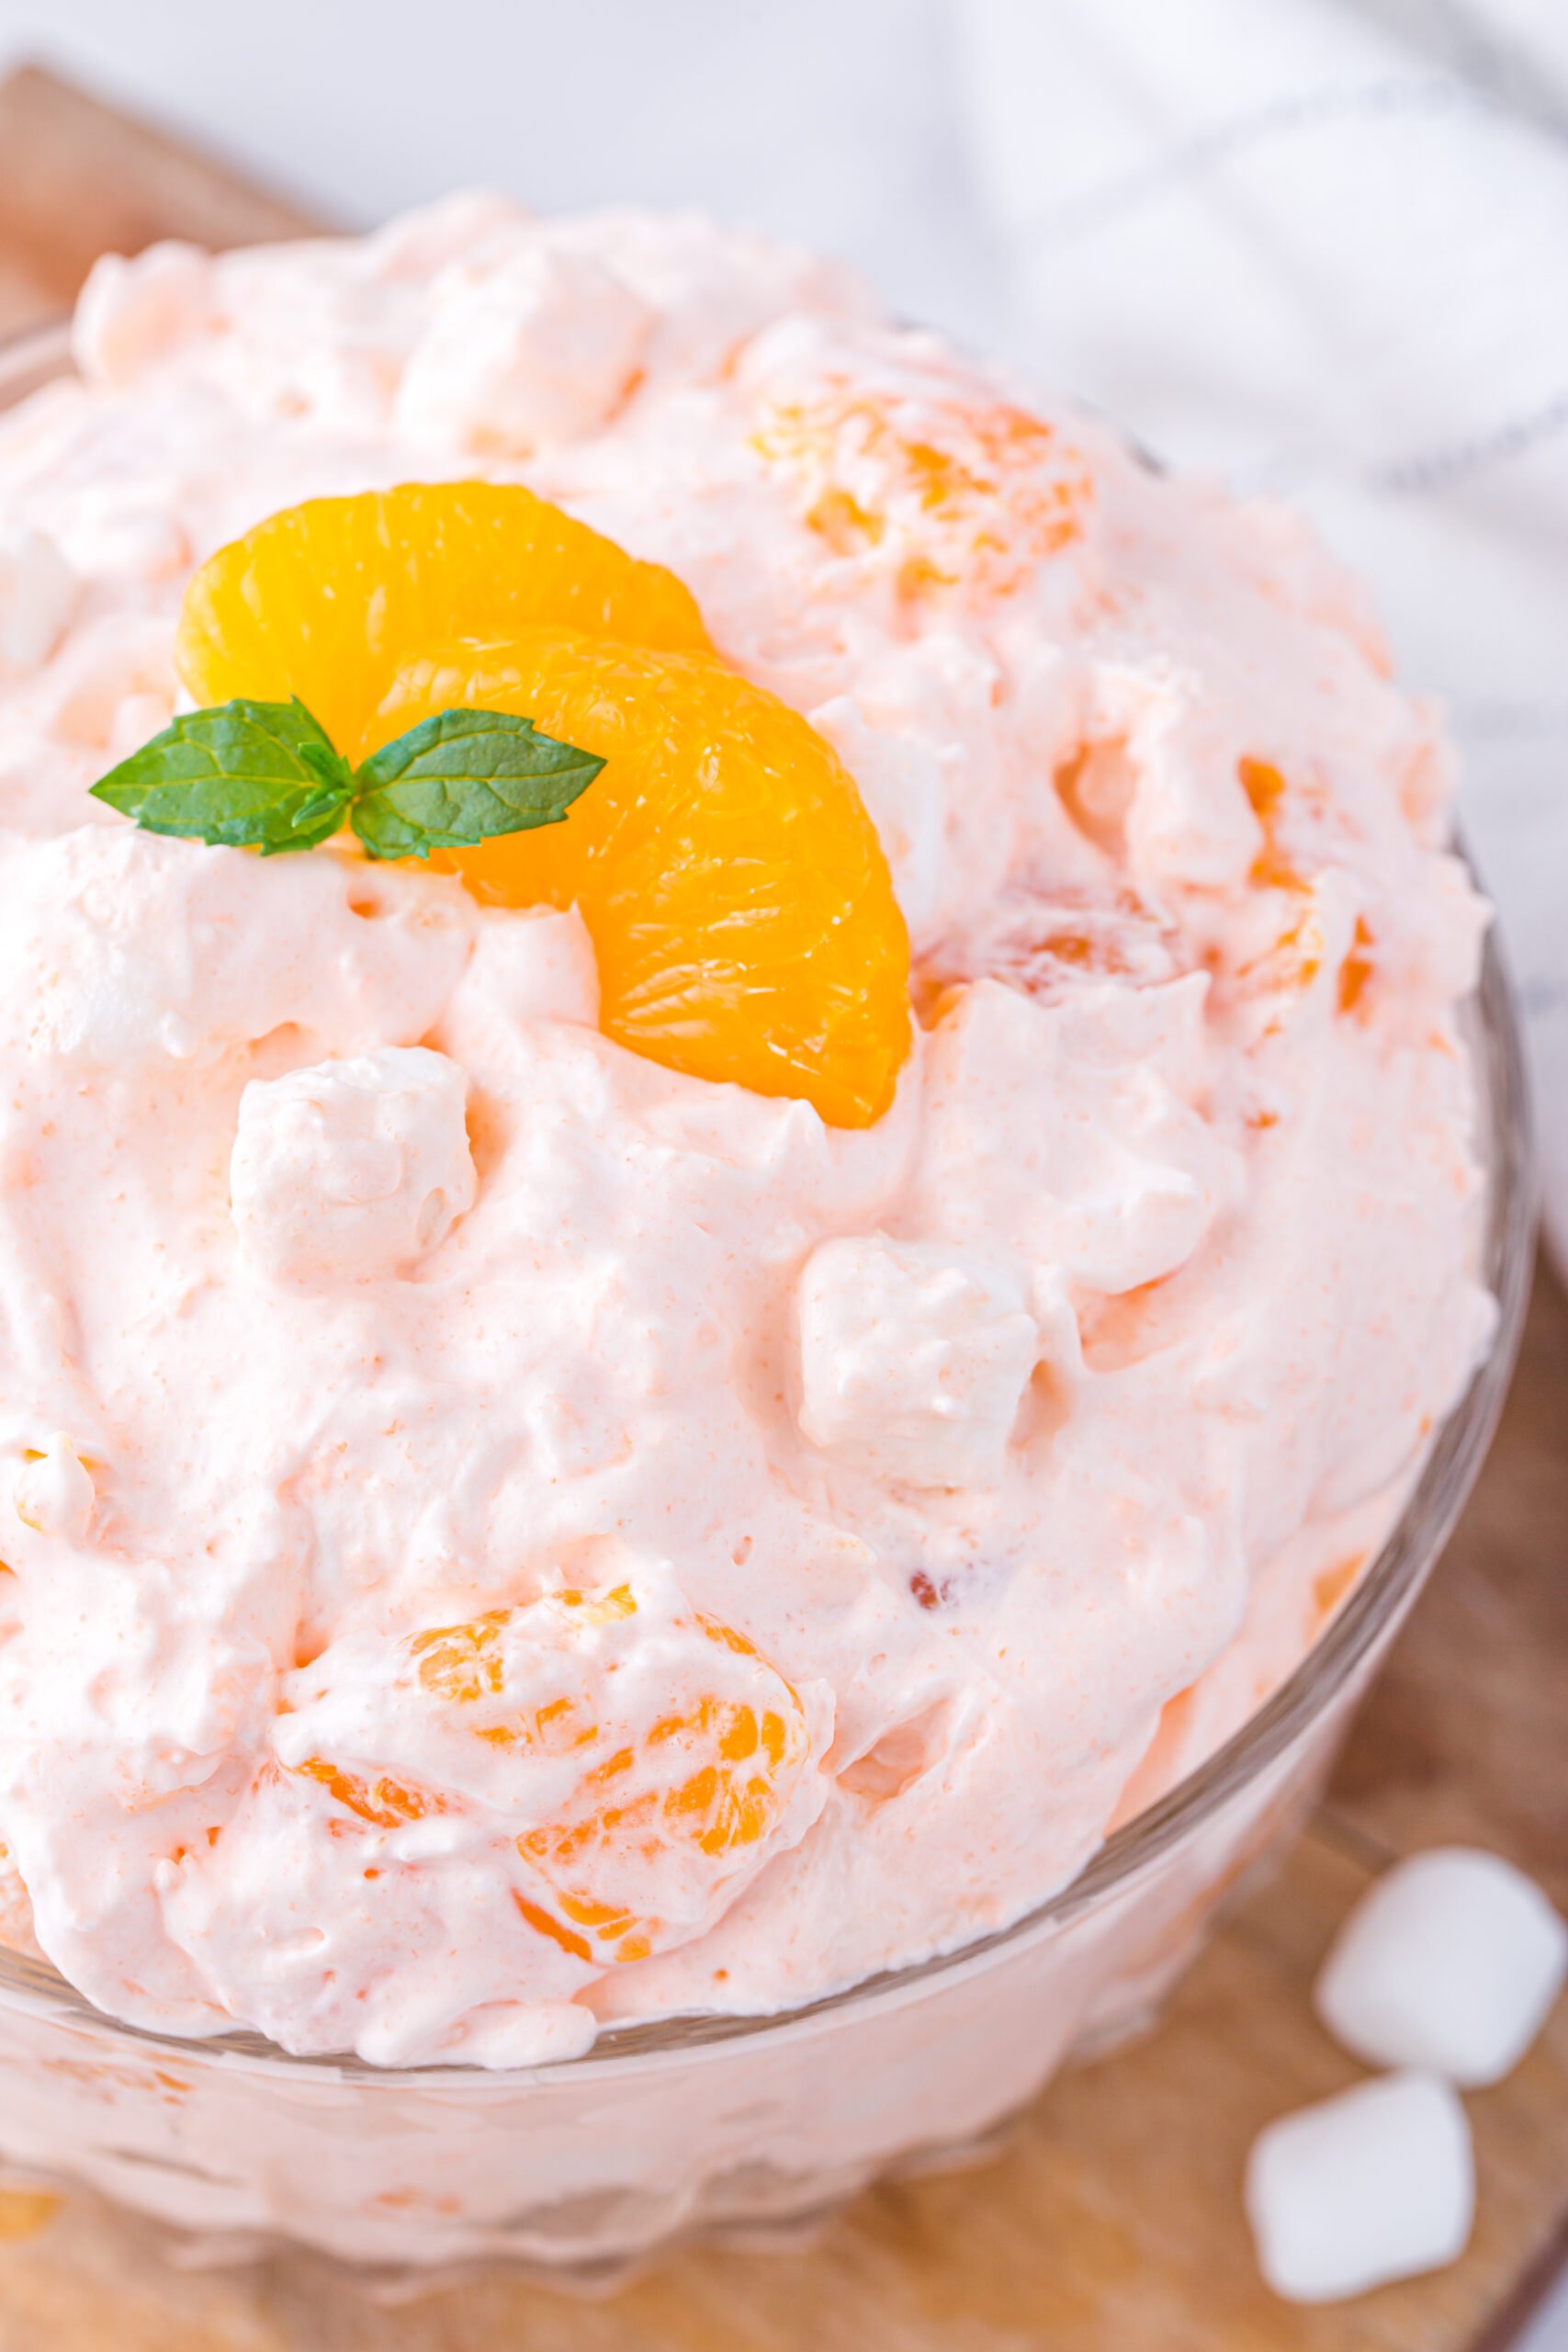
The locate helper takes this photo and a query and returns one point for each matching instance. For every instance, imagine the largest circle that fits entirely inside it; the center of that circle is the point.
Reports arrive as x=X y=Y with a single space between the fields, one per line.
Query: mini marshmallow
x=904 y=783
x=131 y=314
x=537 y=351
x=351 y=1168
x=39 y=595
x=913 y=1358
x=1450 y=1963
x=1376 y=2184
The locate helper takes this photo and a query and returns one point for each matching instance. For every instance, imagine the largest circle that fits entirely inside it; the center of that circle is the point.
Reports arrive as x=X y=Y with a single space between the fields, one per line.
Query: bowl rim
x=1373 y=1609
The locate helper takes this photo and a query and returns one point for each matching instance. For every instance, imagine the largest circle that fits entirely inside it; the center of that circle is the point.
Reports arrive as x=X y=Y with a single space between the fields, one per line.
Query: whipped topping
x=500 y=1535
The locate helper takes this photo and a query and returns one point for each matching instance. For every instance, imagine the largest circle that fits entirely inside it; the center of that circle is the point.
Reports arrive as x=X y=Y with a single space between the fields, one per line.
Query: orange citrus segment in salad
x=642 y=1804
x=966 y=496
x=738 y=896
x=384 y=1802
x=327 y=600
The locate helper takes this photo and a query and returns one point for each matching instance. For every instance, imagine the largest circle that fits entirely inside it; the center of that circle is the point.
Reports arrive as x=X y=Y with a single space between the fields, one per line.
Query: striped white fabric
x=1323 y=247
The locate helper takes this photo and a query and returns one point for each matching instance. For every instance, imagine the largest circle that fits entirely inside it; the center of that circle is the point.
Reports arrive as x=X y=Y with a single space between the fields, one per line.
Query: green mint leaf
x=247 y=776
x=464 y=777
x=329 y=802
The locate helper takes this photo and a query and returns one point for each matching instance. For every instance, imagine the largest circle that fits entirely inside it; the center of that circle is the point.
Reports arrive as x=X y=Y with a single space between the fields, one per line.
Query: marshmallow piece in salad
x=538 y=349
x=133 y=314
x=914 y=1359
x=347 y=1169
x=38 y=594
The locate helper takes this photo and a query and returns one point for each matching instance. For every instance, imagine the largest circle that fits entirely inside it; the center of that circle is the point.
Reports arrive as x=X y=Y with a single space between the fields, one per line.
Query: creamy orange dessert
x=739 y=1170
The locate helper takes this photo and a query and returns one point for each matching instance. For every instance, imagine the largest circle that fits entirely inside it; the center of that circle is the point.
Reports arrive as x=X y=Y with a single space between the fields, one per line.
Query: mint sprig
x=462 y=777
x=249 y=775
x=265 y=776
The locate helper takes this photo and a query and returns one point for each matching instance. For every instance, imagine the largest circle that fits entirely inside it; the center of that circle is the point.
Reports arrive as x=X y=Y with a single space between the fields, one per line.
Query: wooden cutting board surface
x=1112 y=2223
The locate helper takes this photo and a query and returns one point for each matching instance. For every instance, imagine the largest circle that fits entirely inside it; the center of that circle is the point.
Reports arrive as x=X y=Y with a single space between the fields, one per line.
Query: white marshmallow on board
x=1450 y=1961
x=1376 y=2184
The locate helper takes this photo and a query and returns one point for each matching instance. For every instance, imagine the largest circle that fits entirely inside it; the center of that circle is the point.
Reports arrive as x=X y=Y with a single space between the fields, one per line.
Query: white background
x=1087 y=186
x=826 y=119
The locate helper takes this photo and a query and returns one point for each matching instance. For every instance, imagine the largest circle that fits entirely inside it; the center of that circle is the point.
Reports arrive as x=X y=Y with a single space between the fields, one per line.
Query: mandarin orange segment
x=971 y=494
x=461 y=1662
x=386 y=1802
x=327 y=600
x=712 y=1779
x=1265 y=788
x=651 y=1809
x=1298 y=953
x=1357 y=967
x=738 y=896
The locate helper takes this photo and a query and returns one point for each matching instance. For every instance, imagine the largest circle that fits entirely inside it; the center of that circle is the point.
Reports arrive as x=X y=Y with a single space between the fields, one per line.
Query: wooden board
x=77 y=179
x=1112 y=2223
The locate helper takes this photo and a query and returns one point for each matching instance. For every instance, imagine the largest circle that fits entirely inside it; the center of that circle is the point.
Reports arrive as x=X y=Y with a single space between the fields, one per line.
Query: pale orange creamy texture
x=498 y=1534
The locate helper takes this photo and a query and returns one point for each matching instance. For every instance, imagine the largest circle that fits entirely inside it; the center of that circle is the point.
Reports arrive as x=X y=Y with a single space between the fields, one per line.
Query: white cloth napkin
x=1322 y=248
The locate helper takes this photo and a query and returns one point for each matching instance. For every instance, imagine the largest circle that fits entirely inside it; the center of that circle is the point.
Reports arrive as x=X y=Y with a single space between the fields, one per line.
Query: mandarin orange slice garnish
x=738 y=896
x=637 y=1808
x=734 y=889
x=328 y=600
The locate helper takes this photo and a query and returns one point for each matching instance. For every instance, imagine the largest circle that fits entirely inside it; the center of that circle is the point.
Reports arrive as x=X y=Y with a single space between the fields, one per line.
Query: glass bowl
x=749 y=2126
